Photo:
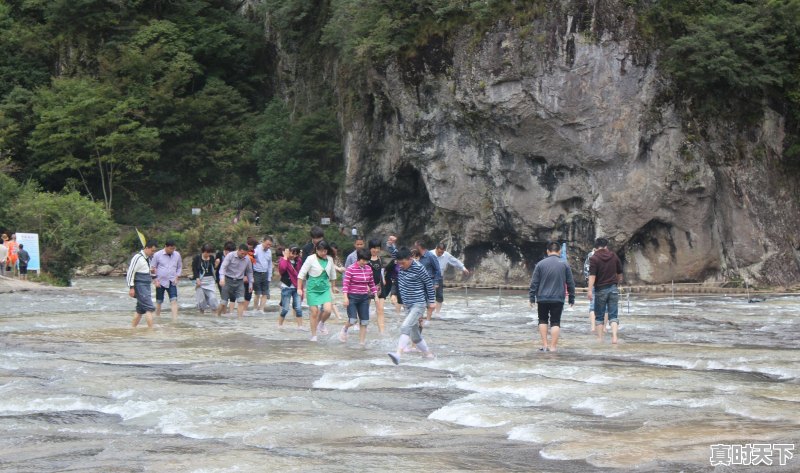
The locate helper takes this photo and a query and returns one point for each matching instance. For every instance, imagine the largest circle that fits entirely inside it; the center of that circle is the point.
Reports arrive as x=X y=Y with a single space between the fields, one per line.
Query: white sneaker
x=426 y=322
x=343 y=335
x=302 y=328
x=314 y=338
x=430 y=355
x=322 y=329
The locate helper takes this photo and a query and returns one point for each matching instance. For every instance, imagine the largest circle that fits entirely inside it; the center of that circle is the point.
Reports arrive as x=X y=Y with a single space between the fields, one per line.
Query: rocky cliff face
x=563 y=131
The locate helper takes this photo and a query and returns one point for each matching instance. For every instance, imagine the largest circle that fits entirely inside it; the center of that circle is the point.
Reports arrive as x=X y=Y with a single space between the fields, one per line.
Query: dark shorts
x=23 y=268
x=440 y=293
x=386 y=291
x=551 y=311
x=172 y=291
x=260 y=283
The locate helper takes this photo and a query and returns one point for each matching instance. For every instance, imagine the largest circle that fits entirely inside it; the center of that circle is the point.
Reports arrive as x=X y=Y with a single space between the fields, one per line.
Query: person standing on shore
x=3 y=255
x=140 y=279
x=358 y=287
x=417 y=292
x=204 y=275
x=289 y=268
x=235 y=268
x=605 y=273
x=24 y=258
x=445 y=259
x=11 y=259
x=547 y=292
x=316 y=278
x=168 y=266
x=428 y=260
x=262 y=271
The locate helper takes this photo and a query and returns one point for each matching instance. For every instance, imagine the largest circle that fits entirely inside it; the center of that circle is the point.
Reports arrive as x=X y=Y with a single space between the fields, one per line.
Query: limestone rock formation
x=499 y=144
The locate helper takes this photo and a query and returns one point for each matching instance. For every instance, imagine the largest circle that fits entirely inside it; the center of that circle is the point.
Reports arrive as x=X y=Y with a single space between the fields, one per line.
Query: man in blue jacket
x=547 y=291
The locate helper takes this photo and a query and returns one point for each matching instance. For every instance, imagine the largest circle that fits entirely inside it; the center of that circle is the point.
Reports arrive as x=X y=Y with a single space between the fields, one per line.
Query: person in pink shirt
x=288 y=267
x=358 y=287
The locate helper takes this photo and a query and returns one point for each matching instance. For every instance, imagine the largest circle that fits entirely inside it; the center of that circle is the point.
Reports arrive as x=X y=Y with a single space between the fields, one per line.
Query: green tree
x=70 y=228
x=299 y=159
x=84 y=127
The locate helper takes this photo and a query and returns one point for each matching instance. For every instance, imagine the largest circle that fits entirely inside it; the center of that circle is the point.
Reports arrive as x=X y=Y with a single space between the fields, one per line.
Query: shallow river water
x=82 y=391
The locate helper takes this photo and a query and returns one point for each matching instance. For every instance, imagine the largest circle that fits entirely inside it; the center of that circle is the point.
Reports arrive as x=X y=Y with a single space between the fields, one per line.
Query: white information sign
x=30 y=242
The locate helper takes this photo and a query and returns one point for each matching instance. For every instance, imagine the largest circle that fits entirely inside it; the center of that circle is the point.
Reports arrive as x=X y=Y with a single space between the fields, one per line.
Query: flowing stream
x=82 y=391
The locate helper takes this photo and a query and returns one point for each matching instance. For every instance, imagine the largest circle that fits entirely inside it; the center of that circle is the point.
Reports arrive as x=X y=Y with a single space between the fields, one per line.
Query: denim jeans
x=290 y=298
x=358 y=308
x=410 y=325
x=606 y=300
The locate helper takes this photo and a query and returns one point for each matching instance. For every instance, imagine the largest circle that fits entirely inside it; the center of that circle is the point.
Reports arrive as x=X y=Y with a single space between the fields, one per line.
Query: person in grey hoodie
x=547 y=292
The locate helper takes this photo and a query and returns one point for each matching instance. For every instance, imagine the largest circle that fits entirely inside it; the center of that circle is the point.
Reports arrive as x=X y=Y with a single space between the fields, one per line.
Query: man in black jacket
x=605 y=272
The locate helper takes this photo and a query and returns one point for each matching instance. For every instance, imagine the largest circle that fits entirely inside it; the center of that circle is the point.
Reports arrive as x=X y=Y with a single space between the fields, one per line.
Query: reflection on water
x=81 y=391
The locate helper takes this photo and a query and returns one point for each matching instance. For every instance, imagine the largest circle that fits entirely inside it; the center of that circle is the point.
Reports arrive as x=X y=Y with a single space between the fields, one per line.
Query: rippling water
x=81 y=391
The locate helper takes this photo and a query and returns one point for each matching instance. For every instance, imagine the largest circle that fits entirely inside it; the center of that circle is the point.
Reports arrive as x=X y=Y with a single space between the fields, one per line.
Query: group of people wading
x=412 y=279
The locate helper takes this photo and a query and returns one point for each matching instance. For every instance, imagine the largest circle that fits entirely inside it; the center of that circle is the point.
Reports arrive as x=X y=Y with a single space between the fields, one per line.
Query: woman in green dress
x=315 y=280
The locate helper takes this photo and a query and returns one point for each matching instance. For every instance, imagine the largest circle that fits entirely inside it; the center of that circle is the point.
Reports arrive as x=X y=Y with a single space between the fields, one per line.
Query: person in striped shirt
x=140 y=280
x=417 y=292
x=358 y=287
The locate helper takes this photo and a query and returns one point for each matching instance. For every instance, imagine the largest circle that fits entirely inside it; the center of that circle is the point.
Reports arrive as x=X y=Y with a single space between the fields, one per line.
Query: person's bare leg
x=379 y=304
x=326 y=312
x=554 y=331
x=591 y=321
x=174 y=308
x=242 y=307
x=149 y=318
x=158 y=309
x=136 y=319
x=438 y=308
x=601 y=329
x=543 y=334
x=362 y=335
x=614 y=327
x=314 y=321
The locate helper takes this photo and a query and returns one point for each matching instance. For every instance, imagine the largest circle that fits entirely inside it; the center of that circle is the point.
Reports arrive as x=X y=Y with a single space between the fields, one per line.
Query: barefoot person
x=168 y=266
x=416 y=290
x=378 y=276
x=547 y=293
x=605 y=272
x=289 y=268
x=262 y=271
x=204 y=276
x=445 y=259
x=428 y=260
x=234 y=270
x=315 y=280
x=139 y=279
x=358 y=287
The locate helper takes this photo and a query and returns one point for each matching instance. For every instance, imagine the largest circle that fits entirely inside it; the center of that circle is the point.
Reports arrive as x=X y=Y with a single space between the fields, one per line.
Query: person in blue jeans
x=288 y=267
x=605 y=273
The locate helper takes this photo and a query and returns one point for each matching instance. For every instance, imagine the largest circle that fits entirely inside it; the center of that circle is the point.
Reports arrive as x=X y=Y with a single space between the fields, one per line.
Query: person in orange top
x=11 y=260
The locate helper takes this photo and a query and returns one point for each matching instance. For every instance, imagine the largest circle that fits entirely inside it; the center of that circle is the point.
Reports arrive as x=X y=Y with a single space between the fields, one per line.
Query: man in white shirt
x=446 y=259
x=140 y=280
x=262 y=273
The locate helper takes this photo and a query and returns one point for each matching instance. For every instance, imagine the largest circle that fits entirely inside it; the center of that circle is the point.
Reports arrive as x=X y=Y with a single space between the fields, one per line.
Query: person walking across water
x=416 y=290
x=547 y=292
x=317 y=234
x=357 y=245
x=140 y=279
x=262 y=271
x=289 y=268
x=605 y=273
x=358 y=287
x=234 y=270
x=168 y=266
x=445 y=259
x=316 y=278
x=204 y=276
x=428 y=260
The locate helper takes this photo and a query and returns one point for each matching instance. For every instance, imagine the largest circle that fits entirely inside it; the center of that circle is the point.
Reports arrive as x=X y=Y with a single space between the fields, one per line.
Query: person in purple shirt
x=167 y=267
